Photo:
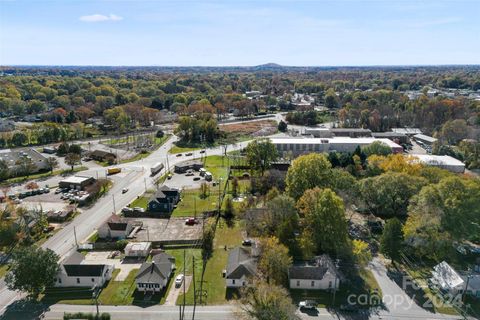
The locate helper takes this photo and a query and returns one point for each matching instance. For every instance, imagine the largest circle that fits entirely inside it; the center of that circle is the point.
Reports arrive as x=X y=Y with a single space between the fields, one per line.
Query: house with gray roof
x=320 y=274
x=73 y=272
x=241 y=267
x=153 y=276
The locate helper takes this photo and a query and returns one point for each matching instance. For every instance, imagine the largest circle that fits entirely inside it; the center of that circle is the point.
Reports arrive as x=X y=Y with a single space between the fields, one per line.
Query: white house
x=320 y=275
x=73 y=273
x=241 y=267
x=115 y=228
x=153 y=276
x=138 y=249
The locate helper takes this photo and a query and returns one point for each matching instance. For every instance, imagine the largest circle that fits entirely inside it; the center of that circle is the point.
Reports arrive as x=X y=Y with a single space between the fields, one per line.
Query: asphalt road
x=137 y=180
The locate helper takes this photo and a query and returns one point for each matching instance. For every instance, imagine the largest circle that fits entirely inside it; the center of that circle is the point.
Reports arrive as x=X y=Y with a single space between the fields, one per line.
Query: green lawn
x=192 y=202
x=141 y=202
x=214 y=283
x=177 y=149
x=119 y=292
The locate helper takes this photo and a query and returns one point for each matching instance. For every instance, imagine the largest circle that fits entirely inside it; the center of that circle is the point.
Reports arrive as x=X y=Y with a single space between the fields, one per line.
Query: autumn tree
x=263 y=301
x=274 y=261
x=52 y=163
x=307 y=172
x=442 y=214
x=323 y=221
x=72 y=159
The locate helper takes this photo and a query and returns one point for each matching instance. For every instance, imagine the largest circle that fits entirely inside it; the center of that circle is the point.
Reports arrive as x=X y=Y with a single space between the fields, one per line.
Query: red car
x=190 y=221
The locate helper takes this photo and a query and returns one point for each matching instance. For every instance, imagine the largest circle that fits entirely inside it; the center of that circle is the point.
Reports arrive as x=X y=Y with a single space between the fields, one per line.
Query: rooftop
x=445 y=276
x=76 y=179
x=335 y=140
x=438 y=160
x=425 y=137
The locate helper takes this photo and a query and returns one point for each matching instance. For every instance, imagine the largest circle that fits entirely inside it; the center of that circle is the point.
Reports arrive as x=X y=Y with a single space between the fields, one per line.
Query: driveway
x=125 y=266
x=175 y=292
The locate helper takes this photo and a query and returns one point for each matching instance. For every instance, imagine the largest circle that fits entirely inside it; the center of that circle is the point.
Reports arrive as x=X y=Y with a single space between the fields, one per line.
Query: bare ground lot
x=168 y=230
x=248 y=127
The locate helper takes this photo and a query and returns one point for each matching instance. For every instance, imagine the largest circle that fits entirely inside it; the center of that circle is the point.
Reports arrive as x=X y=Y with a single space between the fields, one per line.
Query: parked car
x=179 y=280
x=190 y=221
x=307 y=304
x=247 y=242
x=202 y=151
x=124 y=190
x=179 y=155
x=58 y=190
x=189 y=172
x=196 y=178
x=138 y=209
x=189 y=154
x=127 y=209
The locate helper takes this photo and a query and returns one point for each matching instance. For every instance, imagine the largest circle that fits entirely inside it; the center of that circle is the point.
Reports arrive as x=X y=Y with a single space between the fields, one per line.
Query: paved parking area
x=165 y=230
x=125 y=266
x=181 y=181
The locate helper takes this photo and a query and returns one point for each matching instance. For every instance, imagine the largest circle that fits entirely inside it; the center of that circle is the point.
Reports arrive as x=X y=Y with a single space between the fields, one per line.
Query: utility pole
x=184 y=280
x=219 y=195
x=95 y=296
x=75 y=235
x=194 y=291
x=114 y=209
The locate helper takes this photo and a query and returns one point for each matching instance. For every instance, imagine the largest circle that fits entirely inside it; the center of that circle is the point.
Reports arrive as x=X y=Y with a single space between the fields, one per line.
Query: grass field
x=3 y=270
x=192 y=200
x=214 y=283
x=119 y=292
x=141 y=202
x=177 y=149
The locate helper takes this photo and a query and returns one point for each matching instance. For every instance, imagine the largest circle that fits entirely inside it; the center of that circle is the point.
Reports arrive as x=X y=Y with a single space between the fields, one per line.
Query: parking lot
x=168 y=230
x=182 y=181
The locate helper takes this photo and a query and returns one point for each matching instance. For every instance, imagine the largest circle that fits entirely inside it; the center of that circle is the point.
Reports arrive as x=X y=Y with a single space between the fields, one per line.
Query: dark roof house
x=115 y=227
x=164 y=199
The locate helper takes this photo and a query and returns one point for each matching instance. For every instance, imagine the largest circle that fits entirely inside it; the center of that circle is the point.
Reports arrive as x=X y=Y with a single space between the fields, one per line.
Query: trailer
x=156 y=168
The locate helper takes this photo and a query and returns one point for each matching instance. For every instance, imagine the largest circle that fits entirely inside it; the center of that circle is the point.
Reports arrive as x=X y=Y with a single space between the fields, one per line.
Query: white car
x=307 y=304
x=179 y=280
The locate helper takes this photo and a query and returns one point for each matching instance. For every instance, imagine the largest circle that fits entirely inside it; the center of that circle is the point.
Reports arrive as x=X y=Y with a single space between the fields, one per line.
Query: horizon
x=211 y=33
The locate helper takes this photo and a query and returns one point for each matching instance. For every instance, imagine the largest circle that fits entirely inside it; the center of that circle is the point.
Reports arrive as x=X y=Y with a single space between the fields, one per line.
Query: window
x=157 y=285
x=93 y=280
x=78 y=280
x=59 y=280
x=233 y=281
x=330 y=284
x=313 y=284
x=298 y=283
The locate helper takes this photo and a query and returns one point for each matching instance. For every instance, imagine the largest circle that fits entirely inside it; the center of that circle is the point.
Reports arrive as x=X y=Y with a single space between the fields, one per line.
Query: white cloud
x=100 y=18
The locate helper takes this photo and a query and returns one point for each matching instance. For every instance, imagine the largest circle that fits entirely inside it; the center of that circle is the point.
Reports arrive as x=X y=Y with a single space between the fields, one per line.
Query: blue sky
x=234 y=32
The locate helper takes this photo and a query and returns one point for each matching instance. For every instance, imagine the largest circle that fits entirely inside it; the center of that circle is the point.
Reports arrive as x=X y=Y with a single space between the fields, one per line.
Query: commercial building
x=338 y=132
x=76 y=182
x=444 y=162
x=407 y=131
x=18 y=161
x=299 y=146
x=187 y=165
x=396 y=137
x=422 y=138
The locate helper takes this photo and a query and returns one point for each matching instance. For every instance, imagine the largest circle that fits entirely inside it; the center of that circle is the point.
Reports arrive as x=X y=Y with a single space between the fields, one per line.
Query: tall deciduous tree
x=32 y=270
x=307 y=172
x=261 y=154
x=72 y=159
x=392 y=239
x=324 y=223
x=52 y=163
x=274 y=261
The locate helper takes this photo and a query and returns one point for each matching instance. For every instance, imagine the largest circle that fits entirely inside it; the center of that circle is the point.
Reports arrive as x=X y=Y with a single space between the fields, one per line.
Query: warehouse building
x=300 y=146
x=338 y=132
x=19 y=160
x=396 y=137
x=76 y=182
x=443 y=162
x=424 y=139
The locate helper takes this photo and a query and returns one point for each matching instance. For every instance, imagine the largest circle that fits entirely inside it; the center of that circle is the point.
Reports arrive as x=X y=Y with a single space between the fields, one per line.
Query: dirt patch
x=249 y=127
